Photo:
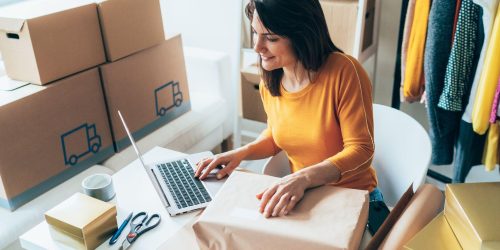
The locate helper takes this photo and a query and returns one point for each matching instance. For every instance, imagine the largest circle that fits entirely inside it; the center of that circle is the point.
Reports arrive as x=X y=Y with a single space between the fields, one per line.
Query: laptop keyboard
x=186 y=190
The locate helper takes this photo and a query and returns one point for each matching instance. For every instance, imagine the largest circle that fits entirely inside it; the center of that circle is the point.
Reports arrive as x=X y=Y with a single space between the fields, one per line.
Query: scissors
x=139 y=225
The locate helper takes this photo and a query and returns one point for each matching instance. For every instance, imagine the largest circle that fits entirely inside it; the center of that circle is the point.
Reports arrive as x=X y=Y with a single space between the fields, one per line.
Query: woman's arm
x=262 y=147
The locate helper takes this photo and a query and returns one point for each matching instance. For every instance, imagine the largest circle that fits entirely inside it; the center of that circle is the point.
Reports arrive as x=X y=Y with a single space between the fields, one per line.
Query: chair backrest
x=402 y=153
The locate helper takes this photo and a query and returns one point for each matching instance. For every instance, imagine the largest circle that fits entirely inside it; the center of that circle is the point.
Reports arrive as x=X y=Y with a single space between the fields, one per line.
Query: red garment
x=457 y=11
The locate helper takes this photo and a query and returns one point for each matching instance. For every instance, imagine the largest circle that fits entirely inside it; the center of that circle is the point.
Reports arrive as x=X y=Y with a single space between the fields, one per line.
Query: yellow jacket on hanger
x=488 y=81
x=413 y=85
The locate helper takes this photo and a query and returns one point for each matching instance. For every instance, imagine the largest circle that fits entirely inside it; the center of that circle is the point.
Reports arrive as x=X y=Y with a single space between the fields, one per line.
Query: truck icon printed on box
x=80 y=141
x=167 y=96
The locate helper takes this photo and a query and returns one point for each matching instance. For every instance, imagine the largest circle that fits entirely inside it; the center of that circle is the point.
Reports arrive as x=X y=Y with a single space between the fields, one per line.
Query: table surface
x=134 y=193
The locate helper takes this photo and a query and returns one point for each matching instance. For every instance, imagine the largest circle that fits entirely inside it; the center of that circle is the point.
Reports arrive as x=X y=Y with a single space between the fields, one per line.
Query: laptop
x=174 y=182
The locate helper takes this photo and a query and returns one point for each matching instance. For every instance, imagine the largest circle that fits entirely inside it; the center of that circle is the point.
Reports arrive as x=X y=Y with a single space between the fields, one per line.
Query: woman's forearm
x=320 y=174
x=262 y=147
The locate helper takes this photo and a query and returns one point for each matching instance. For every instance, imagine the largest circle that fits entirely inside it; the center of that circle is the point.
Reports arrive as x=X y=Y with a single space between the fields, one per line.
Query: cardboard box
x=253 y=109
x=42 y=41
x=342 y=17
x=129 y=26
x=150 y=89
x=436 y=235
x=83 y=220
x=326 y=218
x=472 y=210
x=49 y=134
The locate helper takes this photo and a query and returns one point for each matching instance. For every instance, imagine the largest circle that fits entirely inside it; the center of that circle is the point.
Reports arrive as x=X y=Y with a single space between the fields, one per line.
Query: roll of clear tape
x=99 y=186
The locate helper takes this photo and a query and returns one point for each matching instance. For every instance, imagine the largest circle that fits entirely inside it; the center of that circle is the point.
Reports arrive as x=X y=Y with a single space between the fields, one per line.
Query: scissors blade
x=125 y=245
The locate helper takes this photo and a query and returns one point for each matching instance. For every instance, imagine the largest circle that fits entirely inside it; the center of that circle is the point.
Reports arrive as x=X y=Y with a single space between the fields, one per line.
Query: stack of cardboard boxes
x=471 y=220
x=83 y=61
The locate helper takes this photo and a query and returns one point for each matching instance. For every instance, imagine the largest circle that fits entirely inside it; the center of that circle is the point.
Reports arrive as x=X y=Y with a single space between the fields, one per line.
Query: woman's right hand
x=229 y=160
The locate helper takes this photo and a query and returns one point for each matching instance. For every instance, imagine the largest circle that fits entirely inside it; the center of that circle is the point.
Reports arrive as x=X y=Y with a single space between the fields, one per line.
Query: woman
x=318 y=104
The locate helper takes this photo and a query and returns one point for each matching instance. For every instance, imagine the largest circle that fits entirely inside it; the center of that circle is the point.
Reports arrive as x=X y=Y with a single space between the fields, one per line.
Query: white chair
x=402 y=153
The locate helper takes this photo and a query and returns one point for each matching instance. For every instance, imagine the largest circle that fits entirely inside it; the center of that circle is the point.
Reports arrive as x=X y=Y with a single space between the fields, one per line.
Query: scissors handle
x=152 y=222
x=144 y=225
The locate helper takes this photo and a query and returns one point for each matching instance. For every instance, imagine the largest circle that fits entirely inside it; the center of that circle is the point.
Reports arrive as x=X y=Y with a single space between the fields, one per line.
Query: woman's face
x=275 y=51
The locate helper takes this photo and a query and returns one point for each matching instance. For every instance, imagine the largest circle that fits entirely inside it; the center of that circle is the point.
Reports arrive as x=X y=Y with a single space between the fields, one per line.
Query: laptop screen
x=131 y=138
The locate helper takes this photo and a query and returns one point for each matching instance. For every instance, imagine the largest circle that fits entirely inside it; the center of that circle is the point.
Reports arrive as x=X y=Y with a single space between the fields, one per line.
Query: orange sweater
x=330 y=119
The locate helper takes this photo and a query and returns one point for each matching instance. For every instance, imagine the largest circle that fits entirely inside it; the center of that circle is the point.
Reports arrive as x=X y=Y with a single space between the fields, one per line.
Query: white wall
x=214 y=25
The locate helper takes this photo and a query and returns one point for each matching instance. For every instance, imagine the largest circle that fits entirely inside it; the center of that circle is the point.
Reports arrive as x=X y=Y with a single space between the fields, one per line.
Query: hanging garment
x=487 y=83
x=395 y=103
x=469 y=146
x=413 y=85
x=459 y=71
x=410 y=12
x=469 y=151
x=443 y=124
x=494 y=107
x=491 y=148
x=489 y=8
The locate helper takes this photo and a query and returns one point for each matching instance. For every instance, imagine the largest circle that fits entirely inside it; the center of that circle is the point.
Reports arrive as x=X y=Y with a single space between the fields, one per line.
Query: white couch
x=208 y=123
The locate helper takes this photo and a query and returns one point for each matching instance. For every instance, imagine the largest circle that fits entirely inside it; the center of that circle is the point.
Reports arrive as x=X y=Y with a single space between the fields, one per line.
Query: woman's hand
x=230 y=160
x=281 y=198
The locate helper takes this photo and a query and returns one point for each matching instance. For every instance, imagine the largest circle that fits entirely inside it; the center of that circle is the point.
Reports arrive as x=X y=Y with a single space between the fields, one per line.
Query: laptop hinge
x=161 y=189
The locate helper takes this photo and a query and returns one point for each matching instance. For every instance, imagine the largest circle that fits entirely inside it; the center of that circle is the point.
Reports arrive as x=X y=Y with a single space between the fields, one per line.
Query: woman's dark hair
x=301 y=21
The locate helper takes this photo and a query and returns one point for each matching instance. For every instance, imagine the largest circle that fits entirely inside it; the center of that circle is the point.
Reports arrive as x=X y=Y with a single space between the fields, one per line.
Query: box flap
x=8 y=24
x=32 y=9
x=393 y=217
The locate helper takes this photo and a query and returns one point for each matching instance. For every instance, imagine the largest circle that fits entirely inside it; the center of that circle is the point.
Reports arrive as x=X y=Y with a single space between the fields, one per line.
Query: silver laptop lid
x=131 y=139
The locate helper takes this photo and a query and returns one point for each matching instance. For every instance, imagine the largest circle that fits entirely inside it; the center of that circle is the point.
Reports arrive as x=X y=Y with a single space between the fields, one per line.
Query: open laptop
x=174 y=182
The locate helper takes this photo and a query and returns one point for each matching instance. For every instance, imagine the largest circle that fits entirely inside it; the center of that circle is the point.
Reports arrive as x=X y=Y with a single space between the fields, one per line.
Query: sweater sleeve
x=355 y=115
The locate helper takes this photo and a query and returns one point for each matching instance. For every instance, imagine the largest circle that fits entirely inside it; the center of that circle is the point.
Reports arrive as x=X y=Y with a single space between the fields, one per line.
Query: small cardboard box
x=326 y=218
x=49 y=134
x=129 y=26
x=149 y=88
x=473 y=212
x=42 y=41
x=85 y=220
x=253 y=109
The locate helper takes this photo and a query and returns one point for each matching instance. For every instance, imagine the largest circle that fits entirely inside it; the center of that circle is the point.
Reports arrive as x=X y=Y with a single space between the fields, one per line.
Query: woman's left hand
x=281 y=198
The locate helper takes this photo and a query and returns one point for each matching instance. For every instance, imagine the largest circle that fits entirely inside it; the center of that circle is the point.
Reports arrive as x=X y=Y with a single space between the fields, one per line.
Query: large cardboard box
x=149 y=88
x=42 y=41
x=342 y=20
x=49 y=134
x=253 y=109
x=82 y=221
x=326 y=218
x=473 y=212
x=129 y=26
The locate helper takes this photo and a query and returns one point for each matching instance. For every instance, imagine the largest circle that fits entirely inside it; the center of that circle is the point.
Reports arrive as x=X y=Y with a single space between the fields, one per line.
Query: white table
x=134 y=193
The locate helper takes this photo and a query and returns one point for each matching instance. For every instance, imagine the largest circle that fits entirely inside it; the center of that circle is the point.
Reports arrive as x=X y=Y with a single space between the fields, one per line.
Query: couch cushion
x=208 y=113
x=13 y=224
